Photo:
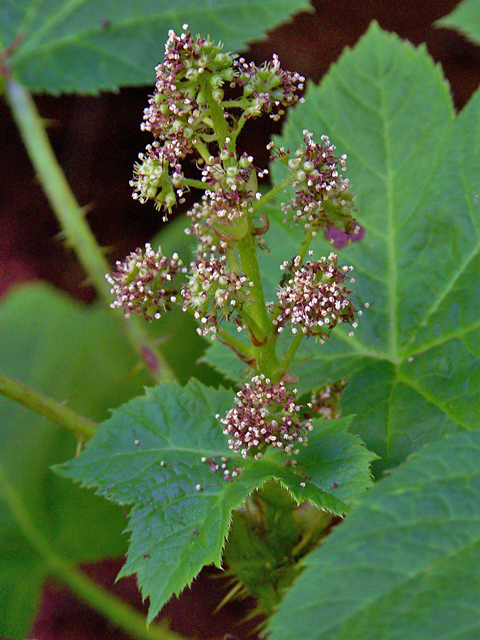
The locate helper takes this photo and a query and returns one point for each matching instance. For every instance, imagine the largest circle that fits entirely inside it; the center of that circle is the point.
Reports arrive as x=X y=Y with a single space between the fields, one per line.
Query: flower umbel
x=315 y=298
x=322 y=196
x=187 y=112
x=265 y=414
x=269 y=88
x=214 y=293
x=143 y=282
x=190 y=116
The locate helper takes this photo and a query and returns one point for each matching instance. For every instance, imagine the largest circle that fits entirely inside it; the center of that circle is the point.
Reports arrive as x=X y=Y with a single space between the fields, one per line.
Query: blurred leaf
x=413 y=363
x=77 y=355
x=465 y=18
x=405 y=562
x=97 y=45
x=163 y=454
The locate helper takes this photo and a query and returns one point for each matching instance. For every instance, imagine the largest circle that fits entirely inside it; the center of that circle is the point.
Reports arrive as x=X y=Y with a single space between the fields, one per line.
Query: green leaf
x=149 y=455
x=96 y=45
x=465 y=18
x=405 y=562
x=77 y=355
x=414 y=361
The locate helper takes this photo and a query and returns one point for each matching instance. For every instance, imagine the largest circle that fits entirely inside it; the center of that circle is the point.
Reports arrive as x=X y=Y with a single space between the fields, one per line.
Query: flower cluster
x=322 y=197
x=265 y=414
x=214 y=293
x=222 y=214
x=315 y=298
x=188 y=115
x=268 y=87
x=188 y=87
x=192 y=68
x=143 y=282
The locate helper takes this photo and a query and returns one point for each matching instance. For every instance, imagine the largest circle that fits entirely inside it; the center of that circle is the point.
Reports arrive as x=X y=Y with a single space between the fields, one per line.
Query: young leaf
x=414 y=361
x=465 y=18
x=405 y=563
x=94 y=45
x=163 y=455
x=74 y=354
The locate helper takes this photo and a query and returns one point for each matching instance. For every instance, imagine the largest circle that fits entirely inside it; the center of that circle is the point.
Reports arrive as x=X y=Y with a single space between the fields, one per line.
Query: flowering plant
x=266 y=431
x=250 y=458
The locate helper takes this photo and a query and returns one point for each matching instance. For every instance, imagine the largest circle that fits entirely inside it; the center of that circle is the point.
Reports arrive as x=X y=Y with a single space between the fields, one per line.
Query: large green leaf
x=91 y=45
x=77 y=355
x=465 y=18
x=413 y=363
x=149 y=455
x=405 y=563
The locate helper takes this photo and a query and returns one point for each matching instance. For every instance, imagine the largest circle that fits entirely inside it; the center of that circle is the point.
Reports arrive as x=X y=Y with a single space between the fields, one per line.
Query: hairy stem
x=273 y=192
x=59 y=413
x=117 y=612
x=71 y=217
x=195 y=184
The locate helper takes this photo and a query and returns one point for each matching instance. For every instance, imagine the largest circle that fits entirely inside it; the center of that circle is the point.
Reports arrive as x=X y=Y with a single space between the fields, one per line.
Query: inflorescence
x=314 y=298
x=322 y=196
x=188 y=115
x=188 y=89
x=214 y=293
x=265 y=414
x=143 y=283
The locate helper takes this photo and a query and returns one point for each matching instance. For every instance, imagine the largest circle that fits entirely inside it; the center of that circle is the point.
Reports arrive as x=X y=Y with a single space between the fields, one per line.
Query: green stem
x=240 y=348
x=307 y=239
x=288 y=357
x=59 y=413
x=195 y=184
x=233 y=260
x=256 y=302
x=203 y=151
x=264 y=343
x=273 y=192
x=220 y=124
x=117 y=611
x=71 y=217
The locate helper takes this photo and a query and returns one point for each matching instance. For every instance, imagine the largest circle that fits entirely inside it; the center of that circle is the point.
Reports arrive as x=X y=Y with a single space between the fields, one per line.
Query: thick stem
x=59 y=413
x=71 y=217
x=116 y=611
x=263 y=345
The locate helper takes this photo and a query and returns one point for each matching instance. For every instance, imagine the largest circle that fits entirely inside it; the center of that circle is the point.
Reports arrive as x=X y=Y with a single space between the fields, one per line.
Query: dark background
x=97 y=140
